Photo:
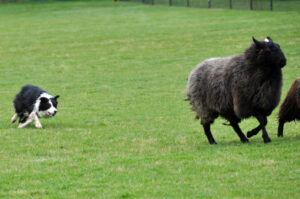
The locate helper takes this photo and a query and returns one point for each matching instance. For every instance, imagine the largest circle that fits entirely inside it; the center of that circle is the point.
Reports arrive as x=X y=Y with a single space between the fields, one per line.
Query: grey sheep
x=238 y=87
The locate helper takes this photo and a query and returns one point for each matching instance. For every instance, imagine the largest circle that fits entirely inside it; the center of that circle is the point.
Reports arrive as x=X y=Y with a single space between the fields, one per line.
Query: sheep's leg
x=263 y=121
x=239 y=132
x=280 y=129
x=253 y=131
x=208 y=134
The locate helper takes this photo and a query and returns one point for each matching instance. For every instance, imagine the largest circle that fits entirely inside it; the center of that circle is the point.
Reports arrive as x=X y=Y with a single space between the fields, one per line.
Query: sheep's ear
x=258 y=44
x=268 y=39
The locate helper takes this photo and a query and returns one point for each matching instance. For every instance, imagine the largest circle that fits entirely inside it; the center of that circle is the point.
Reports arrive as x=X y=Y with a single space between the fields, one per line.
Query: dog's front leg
x=28 y=121
x=37 y=122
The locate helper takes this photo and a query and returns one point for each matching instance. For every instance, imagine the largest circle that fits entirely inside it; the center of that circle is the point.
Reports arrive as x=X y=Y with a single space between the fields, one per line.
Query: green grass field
x=123 y=129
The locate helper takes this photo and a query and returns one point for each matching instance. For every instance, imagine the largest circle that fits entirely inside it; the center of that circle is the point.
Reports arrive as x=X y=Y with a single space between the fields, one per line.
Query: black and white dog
x=32 y=103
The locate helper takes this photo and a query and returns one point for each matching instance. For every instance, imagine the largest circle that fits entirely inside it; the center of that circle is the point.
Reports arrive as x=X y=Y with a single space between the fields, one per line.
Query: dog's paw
x=39 y=126
x=20 y=126
x=14 y=118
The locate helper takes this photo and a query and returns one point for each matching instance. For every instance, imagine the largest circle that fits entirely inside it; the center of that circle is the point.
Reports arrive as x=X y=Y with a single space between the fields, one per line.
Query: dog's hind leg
x=14 y=118
x=29 y=120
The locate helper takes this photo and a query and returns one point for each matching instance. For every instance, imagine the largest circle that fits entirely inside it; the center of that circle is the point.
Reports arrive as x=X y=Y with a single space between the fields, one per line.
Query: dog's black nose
x=54 y=113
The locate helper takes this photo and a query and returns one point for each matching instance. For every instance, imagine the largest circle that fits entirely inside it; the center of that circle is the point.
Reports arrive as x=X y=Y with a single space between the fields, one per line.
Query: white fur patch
x=211 y=59
x=267 y=40
x=46 y=95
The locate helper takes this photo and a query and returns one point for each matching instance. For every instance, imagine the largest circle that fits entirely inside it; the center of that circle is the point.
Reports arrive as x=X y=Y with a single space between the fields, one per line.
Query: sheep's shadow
x=256 y=141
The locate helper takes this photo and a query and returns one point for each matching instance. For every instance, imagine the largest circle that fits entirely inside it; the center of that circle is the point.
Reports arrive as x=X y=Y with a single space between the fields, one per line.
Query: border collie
x=32 y=103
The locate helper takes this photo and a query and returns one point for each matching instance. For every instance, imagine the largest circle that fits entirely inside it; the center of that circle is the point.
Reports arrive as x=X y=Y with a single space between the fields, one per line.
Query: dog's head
x=47 y=106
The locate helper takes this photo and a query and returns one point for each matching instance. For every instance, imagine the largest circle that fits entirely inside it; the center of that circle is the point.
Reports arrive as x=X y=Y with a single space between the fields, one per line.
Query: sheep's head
x=268 y=53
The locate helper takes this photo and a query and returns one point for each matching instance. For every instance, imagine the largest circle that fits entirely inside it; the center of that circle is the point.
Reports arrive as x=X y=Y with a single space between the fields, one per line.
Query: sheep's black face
x=269 y=53
x=277 y=55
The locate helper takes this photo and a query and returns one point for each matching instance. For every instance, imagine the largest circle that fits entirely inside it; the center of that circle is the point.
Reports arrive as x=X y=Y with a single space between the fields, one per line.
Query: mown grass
x=123 y=129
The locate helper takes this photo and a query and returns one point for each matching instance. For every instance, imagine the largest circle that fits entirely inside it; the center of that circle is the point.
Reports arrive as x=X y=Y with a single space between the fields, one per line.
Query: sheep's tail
x=188 y=99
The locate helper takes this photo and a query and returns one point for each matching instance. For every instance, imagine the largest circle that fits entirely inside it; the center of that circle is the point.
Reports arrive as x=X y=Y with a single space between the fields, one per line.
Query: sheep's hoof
x=211 y=143
x=279 y=135
x=245 y=141
x=267 y=140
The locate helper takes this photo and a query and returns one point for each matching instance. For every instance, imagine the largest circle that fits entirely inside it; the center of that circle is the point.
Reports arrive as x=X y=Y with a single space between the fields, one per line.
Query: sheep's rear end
x=290 y=107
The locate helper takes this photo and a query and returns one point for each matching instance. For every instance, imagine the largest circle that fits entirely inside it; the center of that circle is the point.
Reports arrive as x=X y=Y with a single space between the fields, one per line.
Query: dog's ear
x=56 y=97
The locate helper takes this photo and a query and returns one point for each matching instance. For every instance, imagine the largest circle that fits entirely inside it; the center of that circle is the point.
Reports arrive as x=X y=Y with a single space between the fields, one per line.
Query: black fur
x=27 y=99
x=238 y=87
x=44 y=105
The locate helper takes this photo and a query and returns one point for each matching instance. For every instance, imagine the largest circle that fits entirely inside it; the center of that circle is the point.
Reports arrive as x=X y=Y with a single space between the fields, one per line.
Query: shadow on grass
x=48 y=126
x=56 y=123
x=255 y=142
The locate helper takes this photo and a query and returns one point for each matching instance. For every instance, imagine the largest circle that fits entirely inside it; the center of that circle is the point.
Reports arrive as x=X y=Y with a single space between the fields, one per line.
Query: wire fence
x=277 y=5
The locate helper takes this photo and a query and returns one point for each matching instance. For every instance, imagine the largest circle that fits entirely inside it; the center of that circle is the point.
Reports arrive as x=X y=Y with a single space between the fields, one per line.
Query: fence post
x=170 y=2
x=187 y=3
x=230 y=4
x=209 y=3
x=271 y=5
x=251 y=5
x=152 y=2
